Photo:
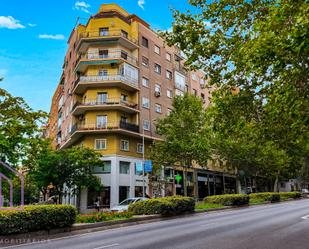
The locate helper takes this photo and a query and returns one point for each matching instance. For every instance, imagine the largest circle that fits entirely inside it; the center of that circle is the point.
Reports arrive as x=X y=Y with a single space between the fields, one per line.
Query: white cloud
x=32 y=25
x=10 y=22
x=52 y=37
x=83 y=6
x=3 y=72
x=141 y=3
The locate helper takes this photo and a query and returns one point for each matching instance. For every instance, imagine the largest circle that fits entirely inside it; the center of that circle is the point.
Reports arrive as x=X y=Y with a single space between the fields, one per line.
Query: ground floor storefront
x=120 y=180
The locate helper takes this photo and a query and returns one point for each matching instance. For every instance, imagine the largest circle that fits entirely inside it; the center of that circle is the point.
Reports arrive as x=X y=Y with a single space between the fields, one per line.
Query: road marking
x=306 y=217
x=101 y=247
x=207 y=224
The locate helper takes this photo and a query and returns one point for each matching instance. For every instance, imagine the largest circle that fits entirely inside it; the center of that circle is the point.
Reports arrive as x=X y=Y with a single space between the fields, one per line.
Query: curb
x=77 y=229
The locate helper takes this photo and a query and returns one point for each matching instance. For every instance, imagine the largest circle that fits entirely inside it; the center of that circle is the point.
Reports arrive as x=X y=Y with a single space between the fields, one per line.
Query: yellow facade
x=115 y=25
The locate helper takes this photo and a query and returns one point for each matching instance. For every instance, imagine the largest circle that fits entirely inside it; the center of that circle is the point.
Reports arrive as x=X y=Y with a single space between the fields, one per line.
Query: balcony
x=110 y=57
x=110 y=36
x=95 y=81
x=107 y=104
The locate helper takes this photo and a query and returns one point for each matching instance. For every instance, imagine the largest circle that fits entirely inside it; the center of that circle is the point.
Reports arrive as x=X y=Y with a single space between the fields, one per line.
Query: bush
x=165 y=206
x=228 y=200
x=99 y=217
x=36 y=217
x=266 y=196
x=290 y=195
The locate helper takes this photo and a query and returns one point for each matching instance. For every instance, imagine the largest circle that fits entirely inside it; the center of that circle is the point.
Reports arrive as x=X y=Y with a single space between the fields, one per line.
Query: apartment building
x=118 y=78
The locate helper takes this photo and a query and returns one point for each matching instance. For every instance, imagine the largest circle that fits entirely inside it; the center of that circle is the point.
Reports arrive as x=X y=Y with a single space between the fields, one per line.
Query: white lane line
x=207 y=224
x=101 y=247
x=306 y=217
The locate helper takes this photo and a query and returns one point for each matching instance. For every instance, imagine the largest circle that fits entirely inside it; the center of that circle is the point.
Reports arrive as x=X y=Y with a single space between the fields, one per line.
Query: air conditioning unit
x=157 y=94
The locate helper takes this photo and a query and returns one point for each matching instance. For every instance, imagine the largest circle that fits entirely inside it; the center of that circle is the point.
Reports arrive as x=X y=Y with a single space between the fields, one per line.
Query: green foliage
x=71 y=167
x=36 y=217
x=228 y=200
x=165 y=206
x=99 y=217
x=206 y=206
x=260 y=48
x=19 y=126
x=289 y=195
x=185 y=135
x=266 y=196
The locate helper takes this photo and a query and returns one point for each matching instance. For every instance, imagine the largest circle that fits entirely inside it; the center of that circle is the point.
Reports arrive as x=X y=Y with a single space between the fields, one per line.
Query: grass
x=205 y=206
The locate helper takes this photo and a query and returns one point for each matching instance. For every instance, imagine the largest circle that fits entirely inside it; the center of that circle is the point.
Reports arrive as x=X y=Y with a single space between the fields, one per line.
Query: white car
x=124 y=205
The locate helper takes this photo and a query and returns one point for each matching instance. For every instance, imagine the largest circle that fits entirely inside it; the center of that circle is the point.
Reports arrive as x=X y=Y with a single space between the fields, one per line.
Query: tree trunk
x=185 y=192
x=276 y=189
x=238 y=185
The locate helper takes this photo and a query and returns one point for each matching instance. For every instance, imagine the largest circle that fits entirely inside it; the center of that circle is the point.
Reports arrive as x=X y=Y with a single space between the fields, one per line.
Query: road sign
x=148 y=166
x=139 y=167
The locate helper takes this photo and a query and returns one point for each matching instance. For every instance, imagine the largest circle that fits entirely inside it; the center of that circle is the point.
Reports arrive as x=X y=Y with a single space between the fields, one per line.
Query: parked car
x=124 y=205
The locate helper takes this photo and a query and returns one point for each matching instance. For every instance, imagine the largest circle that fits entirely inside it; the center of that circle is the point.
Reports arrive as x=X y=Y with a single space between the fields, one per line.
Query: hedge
x=99 y=217
x=266 y=196
x=36 y=217
x=290 y=195
x=165 y=206
x=228 y=200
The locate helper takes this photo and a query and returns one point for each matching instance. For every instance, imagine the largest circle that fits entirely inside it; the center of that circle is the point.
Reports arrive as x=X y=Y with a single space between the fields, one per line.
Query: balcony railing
x=108 y=34
x=108 y=78
x=110 y=125
x=112 y=54
x=108 y=101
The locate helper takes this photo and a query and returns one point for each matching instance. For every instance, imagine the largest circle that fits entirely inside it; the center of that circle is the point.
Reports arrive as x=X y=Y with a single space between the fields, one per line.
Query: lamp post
x=143 y=162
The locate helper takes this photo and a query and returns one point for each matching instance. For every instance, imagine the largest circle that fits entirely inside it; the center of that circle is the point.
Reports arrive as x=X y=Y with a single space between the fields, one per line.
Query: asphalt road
x=278 y=226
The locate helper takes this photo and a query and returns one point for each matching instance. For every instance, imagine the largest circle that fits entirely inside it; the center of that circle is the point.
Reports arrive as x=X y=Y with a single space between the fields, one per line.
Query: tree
x=184 y=133
x=71 y=168
x=261 y=48
x=19 y=124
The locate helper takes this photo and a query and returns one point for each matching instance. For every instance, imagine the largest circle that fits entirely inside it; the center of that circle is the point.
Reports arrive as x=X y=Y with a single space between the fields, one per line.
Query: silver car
x=124 y=205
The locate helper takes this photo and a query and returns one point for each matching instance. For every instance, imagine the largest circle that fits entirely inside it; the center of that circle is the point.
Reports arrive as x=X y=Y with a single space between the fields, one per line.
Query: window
x=169 y=74
x=123 y=97
x=157 y=49
x=145 y=42
x=124 y=145
x=158 y=108
x=100 y=144
x=124 y=193
x=124 y=167
x=103 y=53
x=124 y=34
x=169 y=93
x=203 y=97
x=146 y=125
x=202 y=82
x=193 y=76
x=180 y=81
x=157 y=68
x=124 y=55
x=103 y=196
x=102 y=72
x=145 y=102
x=157 y=88
x=145 y=82
x=103 y=31
x=102 y=98
x=195 y=92
x=179 y=93
x=106 y=169
x=101 y=121
x=139 y=148
x=145 y=61
x=168 y=56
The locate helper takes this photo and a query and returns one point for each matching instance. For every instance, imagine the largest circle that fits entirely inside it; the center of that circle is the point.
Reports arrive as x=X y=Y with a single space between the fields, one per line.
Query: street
x=276 y=226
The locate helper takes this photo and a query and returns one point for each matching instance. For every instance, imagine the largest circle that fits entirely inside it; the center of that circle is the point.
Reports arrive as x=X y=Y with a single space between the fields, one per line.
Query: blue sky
x=33 y=36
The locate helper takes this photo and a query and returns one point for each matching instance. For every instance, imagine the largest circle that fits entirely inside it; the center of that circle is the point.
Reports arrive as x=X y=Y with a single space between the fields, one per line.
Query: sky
x=34 y=33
